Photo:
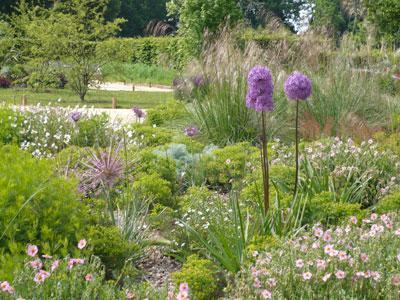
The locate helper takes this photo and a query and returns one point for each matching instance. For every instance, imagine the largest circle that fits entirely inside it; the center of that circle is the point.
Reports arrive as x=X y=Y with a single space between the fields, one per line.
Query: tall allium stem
x=298 y=87
x=265 y=164
x=296 y=183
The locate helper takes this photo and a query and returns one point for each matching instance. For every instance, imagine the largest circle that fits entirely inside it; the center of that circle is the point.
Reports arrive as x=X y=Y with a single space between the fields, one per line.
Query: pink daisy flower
x=364 y=257
x=6 y=287
x=82 y=244
x=36 y=264
x=32 y=250
x=265 y=294
x=342 y=255
x=55 y=265
x=307 y=275
x=396 y=280
x=318 y=232
x=184 y=288
x=327 y=236
x=340 y=274
x=299 y=263
x=353 y=220
x=321 y=264
x=89 y=277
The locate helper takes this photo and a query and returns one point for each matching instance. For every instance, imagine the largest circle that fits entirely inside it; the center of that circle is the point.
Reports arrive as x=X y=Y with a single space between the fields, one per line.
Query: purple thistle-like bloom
x=191 y=131
x=198 y=80
x=75 y=116
x=260 y=89
x=139 y=113
x=102 y=169
x=298 y=86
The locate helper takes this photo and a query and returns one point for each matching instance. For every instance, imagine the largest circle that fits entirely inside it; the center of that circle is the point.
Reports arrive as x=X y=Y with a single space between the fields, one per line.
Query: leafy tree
x=66 y=37
x=195 y=16
x=139 y=13
x=385 y=14
x=287 y=11
x=328 y=16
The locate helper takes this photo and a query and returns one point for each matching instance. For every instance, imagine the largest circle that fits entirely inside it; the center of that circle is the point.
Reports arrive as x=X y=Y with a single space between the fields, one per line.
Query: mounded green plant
x=36 y=206
x=10 y=124
x=201 y=276
x=108 y=244
x=153 y=187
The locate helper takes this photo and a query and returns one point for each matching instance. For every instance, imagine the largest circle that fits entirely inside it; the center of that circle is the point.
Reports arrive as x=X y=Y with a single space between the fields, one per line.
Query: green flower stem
x=264 y=163
x=296 y=183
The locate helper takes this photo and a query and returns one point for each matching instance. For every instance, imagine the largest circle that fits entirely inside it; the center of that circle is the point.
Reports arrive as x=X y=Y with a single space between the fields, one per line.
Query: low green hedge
x=164 y=51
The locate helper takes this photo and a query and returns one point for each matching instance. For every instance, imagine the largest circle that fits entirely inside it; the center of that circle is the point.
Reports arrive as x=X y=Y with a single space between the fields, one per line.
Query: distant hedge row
x=168 y=51
x=148 y=50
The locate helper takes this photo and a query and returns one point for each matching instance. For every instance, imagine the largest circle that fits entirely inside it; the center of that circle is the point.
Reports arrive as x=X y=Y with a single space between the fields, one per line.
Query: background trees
x=63 y=40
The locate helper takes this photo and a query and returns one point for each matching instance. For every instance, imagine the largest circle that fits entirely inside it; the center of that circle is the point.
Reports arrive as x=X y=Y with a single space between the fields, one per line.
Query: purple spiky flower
x=191 y=131
x=260 y=89
x=103 y=169
x=75 y=116
x=139 y=113
x=298 y=86
x=198 y=80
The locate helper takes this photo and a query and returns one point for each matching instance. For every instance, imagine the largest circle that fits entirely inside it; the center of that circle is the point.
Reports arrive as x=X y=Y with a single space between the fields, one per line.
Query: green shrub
x=10 y=124
x=389 y=203
x=148 y=50
x=230 y=163
x=147 y=136
x=162 y=218
x=201 y=276
x=389 y=142
x=322 y=208
x=153 y=187
x=164 y=113
x=194 y=194
x=282 y=175
x=93 y=131
x=36 y=206
x=151 y=163
x=68 y=160
x=107 y=243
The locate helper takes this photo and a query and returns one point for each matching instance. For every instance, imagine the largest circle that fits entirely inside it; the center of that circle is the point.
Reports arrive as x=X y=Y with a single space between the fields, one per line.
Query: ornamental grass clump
x=298 y=87
x=260 y=98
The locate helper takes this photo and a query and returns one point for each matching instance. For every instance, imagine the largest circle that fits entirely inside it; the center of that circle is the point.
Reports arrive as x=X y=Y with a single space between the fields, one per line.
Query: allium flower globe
x=260 y=89
x=75 y=116
x=298 y=86
x=191 y=131
x=139 y=113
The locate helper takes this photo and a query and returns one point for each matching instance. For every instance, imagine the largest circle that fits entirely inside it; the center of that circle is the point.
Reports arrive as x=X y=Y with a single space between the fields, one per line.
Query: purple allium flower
x=139 y=113
x=198 y=80
x=260 y=89
x=298 y=86
x=191 y=131
x=75 y=116
x=102 y=170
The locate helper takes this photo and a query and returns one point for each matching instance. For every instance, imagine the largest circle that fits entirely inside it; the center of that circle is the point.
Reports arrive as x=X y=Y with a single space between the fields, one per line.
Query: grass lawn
x=96 y=98
x=138 y=73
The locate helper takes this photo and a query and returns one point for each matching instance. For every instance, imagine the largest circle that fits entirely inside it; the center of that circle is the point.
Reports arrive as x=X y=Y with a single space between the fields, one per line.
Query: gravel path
x=128 y=87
